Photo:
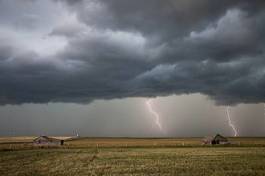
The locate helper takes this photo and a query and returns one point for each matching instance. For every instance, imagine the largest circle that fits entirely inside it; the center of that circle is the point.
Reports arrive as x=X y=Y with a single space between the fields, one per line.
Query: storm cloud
x=80 y=51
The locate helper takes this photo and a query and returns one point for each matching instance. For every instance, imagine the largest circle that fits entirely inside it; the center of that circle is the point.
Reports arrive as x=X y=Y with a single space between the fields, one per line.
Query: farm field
x=127 y=156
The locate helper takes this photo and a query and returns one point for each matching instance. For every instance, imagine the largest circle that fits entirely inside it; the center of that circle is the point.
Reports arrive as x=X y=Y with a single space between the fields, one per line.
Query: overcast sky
x=89 y=67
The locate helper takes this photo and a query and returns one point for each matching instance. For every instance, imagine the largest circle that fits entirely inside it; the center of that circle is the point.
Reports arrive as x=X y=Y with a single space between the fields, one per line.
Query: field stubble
x=135 y=157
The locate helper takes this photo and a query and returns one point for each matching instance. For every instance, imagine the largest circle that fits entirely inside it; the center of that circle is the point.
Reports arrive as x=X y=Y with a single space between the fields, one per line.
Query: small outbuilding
x=217 y=139
x=47 y=141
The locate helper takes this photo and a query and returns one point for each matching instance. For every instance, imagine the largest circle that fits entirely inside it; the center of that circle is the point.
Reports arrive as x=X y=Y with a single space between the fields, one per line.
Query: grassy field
x=122 y=156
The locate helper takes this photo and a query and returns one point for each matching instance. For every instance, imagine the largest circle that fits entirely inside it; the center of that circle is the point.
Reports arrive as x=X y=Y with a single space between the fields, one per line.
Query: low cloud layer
x=80 y=51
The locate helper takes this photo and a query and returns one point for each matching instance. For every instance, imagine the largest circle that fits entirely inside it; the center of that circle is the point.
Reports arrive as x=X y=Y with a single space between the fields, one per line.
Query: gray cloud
x=117 y=49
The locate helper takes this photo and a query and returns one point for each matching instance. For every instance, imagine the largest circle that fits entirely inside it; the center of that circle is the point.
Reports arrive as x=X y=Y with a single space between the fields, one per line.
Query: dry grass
x=16 y=139
x=132 y=142
x=121 y=156
x=158 y=142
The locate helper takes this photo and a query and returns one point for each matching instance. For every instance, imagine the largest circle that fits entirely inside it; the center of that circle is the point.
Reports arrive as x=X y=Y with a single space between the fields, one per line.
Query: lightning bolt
x=230 y=121
x=155 y=116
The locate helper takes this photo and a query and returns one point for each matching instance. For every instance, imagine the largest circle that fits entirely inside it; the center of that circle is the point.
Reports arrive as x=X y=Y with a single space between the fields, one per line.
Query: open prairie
x=127 y=156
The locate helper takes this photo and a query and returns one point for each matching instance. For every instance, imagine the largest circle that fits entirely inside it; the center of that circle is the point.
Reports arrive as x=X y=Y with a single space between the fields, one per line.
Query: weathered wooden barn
x=47 y=141
x=217 y=139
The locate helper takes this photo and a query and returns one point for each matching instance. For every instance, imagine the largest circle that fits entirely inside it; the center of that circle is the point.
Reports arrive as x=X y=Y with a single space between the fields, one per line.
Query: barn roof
x=216 y=137
x=46 y=138
x=219 y=137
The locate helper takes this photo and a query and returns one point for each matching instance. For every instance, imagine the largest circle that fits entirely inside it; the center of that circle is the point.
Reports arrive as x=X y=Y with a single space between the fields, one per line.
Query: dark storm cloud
x=123 y=48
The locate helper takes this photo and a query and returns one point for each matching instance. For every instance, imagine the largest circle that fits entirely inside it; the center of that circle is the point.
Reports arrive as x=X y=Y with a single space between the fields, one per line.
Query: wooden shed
x=217 y=139
x=47 y=141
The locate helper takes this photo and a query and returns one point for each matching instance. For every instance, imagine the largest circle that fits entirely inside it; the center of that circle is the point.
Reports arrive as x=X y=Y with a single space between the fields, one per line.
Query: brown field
x=133 y=156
